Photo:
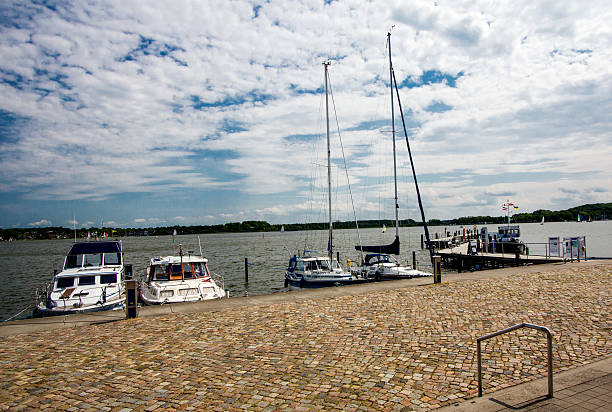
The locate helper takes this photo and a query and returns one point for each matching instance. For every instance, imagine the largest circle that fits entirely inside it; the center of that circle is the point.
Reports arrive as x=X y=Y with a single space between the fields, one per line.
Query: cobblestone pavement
x=400 y=349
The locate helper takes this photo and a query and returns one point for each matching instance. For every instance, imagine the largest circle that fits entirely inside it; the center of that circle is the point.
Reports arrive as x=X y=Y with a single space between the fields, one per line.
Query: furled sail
x=391 y=249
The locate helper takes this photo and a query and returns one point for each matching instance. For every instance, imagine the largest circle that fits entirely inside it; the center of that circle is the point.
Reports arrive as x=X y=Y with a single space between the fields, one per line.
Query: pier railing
x=510 y=329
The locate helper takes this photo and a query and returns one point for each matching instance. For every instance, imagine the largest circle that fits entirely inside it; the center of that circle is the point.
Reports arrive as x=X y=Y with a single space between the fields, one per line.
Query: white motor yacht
x=174 y=279
x=92 y=279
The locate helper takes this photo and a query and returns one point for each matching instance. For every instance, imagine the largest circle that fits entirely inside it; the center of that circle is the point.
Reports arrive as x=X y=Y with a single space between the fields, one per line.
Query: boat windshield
x=173 y=271
x=92 y=259
x=323 y=264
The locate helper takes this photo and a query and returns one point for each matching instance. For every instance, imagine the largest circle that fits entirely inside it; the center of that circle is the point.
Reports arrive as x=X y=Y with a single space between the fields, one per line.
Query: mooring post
x=413 y=259
x=422 y=241
x=437 y=269
x=131 y=299
x=246 y=270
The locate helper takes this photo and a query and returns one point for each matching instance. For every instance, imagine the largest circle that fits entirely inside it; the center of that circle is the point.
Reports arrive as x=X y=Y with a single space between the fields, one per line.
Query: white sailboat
x=308 y=270
x=380 y=264
x=542 y=222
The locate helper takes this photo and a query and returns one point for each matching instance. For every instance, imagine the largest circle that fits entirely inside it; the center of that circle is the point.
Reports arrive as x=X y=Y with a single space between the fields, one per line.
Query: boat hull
x=318 y=280
x=179 y=292
x=44 y=310
x=382 y=272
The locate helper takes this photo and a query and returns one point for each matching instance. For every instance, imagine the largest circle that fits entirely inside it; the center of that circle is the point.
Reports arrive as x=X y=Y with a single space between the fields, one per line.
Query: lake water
x=28 y=265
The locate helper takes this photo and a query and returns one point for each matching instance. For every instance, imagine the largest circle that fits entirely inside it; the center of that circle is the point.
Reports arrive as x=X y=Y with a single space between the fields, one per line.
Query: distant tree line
x=597 y=211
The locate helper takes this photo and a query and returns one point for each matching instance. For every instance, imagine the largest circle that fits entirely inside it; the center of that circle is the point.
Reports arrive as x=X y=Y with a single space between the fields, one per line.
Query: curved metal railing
x=510 y=329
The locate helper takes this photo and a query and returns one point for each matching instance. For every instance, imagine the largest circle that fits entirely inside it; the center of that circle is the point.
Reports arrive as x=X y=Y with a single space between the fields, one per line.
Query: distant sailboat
x=542 y=222
x=384 y=228
x=282 y=229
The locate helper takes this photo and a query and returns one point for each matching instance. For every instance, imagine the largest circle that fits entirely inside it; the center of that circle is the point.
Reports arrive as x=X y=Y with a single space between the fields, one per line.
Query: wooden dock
x=458 y=258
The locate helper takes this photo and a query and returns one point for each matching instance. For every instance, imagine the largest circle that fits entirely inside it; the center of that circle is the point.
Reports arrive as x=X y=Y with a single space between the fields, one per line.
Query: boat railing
x=219 y=281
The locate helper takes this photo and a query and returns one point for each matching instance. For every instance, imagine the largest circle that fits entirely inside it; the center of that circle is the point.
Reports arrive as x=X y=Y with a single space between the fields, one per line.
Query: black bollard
x=246 y=270
x=131 y=299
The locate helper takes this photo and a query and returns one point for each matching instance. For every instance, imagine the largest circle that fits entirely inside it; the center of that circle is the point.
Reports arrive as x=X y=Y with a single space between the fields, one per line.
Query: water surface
x=28 y=265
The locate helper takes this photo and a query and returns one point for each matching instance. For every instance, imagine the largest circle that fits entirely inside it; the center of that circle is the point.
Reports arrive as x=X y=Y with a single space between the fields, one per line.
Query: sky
x=157 y=113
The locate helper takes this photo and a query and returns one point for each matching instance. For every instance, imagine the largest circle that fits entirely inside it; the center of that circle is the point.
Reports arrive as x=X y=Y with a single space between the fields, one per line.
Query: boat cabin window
x=323 y=264
x=92 y=259
x=187 y=271
x=63 y=283
x=73 y=261
x=159 y=272
x=106 y=279
x=112 y=259
x=87 y=280
x=200 y=270
x=299 y=265
x=175 y=274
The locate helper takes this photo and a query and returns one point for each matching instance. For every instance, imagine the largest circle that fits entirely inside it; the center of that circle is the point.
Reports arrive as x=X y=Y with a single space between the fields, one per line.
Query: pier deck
x=458 y=257
x=391 y=347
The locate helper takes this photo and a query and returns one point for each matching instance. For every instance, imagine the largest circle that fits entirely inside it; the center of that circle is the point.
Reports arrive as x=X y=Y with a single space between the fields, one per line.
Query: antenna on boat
x=74 y=226
x=200 y=245
x=181 y=254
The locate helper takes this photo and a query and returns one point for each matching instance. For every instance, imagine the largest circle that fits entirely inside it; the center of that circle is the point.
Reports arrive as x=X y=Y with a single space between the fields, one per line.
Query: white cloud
x=114 y=99
x=40 y=223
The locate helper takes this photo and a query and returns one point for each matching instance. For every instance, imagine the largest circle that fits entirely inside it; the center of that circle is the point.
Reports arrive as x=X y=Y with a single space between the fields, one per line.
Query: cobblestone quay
x=398 y=349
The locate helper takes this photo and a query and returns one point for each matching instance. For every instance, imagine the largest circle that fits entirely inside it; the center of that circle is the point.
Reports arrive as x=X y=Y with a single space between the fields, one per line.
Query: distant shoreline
x=589 y=212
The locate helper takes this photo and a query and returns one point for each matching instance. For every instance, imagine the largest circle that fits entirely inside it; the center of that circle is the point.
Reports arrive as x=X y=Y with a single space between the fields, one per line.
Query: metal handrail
x=510 y=329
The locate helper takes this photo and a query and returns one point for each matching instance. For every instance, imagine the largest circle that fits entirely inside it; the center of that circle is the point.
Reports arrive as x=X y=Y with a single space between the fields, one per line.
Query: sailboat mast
x=416 y=184
x=330 y=241
x=393 y=133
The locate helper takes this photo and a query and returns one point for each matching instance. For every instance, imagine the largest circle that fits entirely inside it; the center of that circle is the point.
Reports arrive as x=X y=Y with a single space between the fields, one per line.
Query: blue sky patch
x=302 y=137
x=256 y=11
x=438 y=107
x=294 y=88
x=230 y=126
x=253 y=96
x=151 y=47
x=10 y=126
x=430 y=77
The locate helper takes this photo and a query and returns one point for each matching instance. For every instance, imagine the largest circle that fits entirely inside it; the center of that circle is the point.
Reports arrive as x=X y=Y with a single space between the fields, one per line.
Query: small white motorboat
x=176 y=279
x=92 y=279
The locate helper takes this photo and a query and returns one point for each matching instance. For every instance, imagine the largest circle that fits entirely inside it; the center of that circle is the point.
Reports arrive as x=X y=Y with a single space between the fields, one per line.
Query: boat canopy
x=84 y=248
x=391 y=249
x=377 y=258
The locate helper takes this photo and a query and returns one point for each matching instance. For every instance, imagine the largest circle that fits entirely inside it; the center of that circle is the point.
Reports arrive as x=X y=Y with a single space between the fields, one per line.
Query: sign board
x=553 y=246
x=574 y=248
